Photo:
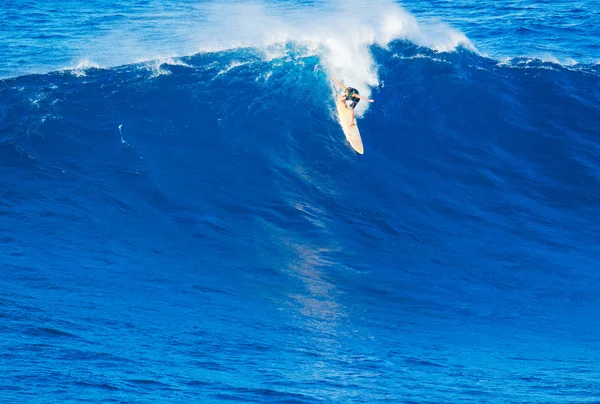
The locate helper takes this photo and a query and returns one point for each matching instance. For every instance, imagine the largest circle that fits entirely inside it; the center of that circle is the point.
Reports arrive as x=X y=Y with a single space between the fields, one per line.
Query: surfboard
x=351 y=132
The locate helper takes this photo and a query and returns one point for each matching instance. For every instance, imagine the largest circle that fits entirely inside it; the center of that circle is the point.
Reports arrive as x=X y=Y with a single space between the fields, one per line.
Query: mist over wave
x=340 y=33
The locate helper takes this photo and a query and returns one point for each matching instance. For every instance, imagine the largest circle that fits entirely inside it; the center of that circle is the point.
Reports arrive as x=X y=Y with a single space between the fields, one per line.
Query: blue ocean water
x=182 y=220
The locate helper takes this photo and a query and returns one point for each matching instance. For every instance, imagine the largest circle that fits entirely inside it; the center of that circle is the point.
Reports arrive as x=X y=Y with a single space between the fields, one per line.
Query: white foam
x=565 y=62
x=420 y=56
x=232 y=65
x=80 y=67
x=173 y=62
x=339 y=33
x=86 y=64
x=155 y=67
x=525 y=61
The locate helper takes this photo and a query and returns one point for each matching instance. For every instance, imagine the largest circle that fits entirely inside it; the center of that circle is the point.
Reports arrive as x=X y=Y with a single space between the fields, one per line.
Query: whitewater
x=182 y=219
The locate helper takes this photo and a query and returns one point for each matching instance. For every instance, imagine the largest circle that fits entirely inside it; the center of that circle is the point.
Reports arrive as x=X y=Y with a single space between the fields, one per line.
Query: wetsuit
x=351 y=96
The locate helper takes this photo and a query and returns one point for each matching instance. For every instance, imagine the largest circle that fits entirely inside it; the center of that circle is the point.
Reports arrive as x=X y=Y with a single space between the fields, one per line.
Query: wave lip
x=340 y=33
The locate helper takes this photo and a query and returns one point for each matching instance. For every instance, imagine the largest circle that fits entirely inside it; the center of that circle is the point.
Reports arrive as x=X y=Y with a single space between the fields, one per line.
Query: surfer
x=351 y=94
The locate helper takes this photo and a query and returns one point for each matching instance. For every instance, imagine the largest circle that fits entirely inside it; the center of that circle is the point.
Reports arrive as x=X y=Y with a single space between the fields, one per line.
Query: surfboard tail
x=350 y=131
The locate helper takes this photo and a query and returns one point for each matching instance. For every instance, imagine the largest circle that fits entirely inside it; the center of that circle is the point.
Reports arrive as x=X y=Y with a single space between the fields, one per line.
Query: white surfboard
x=351 y=132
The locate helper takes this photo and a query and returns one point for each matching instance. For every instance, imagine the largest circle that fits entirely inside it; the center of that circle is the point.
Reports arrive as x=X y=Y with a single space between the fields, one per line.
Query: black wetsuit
x=351 y=96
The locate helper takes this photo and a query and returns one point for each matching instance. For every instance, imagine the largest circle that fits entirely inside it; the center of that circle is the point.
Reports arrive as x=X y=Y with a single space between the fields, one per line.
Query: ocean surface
x=182 y=219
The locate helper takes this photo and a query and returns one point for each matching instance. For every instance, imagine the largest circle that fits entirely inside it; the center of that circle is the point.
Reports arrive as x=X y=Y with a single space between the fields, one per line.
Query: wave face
x=197 y=228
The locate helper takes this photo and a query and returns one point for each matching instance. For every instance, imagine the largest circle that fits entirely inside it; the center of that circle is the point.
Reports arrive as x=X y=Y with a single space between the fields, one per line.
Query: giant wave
x=207 y=209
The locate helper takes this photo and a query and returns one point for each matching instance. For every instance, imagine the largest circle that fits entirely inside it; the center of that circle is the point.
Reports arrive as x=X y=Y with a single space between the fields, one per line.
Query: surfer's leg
x=352 y=106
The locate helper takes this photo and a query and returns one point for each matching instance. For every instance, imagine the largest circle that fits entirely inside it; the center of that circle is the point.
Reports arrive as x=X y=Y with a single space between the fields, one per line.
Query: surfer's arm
x=338 y=83
x=364 y=98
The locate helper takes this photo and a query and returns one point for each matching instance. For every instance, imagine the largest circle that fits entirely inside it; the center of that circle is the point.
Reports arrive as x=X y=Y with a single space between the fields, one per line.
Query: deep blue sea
x=183 y=221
